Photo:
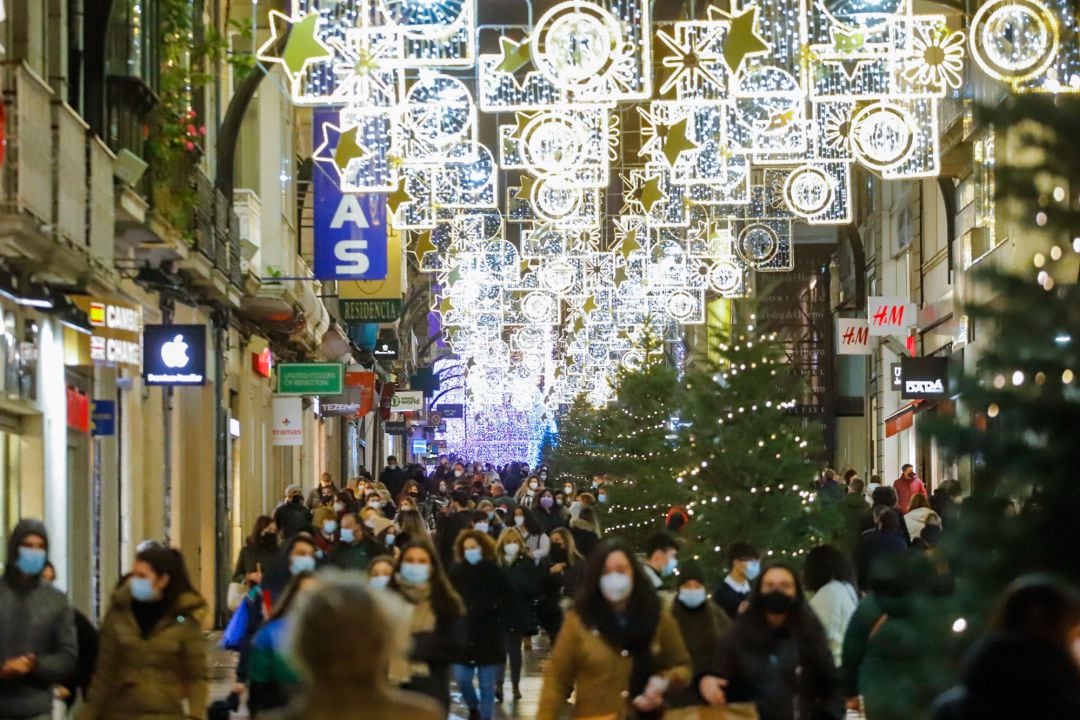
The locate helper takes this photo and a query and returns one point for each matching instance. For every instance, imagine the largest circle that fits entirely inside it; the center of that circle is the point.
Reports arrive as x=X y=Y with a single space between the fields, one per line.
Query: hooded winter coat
x=34 y=618
x=147 y=677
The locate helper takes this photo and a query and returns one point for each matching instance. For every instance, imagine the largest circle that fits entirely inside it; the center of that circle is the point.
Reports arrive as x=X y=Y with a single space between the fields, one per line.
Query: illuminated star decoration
x=653 y=133
x=423 y=246
x=648 y=193
x=394 y=199
x=677 y=142
x=515 y=55
x=302 y=47
x=743 y=40
x=686 y=60
x=340 y=146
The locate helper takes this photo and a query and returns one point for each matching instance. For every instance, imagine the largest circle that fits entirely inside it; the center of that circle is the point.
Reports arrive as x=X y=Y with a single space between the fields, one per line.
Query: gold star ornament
x=743 y=40
x=302 y=45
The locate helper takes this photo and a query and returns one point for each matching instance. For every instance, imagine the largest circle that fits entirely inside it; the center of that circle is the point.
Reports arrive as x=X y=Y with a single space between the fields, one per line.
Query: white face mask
x=519 y=520
x=481 y=526
x=615 y=586
x=339 y=506
x=693 y=597
x=458 y=473
x=511 y=550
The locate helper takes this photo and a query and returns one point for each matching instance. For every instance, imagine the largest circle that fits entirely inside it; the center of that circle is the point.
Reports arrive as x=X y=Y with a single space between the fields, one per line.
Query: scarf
x=634 y=635
x=421 y=620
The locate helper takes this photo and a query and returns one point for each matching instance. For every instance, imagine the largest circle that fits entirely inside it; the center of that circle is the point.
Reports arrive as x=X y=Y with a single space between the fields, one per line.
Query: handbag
x=235 y=596
x=731 y=711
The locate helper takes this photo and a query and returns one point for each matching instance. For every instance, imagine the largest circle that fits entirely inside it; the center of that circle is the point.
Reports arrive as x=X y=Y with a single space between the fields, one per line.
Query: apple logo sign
x=174 y=353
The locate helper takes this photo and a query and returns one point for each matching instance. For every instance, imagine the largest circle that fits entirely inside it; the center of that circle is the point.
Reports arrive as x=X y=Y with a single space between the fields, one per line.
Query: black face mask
x=558 y=553
x=297 y=500
x=777 y=603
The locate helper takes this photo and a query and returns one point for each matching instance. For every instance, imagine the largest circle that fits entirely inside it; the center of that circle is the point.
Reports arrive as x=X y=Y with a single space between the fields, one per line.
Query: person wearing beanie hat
x=38 y=645
x=292 y=516
x=701 y=621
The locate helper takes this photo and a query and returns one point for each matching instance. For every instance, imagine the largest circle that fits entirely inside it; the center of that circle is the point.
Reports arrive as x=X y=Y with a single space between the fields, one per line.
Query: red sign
x=263 y=363
x=365 y=382
x=385 y=397
x=852 y=336
x=889 y=315
x=78 y=410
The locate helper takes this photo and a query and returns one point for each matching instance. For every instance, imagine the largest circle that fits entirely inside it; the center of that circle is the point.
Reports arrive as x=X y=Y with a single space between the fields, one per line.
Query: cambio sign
x=350 y=228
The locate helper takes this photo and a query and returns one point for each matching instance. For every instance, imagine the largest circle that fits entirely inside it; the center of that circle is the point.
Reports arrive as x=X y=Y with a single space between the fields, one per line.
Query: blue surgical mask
x=329 y=526
x=301 y=563
x=753 y=569
x=474 y=555
x=31 y=561
x=390 y=540
x=142 y=589
x=379 y=582
x=415 y=573
x=481 y=526
x=347 y=535
x=669 y=568
x=693 y=597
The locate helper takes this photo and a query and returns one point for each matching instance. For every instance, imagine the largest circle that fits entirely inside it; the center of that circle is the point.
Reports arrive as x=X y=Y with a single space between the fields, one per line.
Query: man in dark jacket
x=292 y=516
x=393 y=477
x=357 y=547
x=324 y=493
x=884 y=540
x=38 y=646
x=447 y=529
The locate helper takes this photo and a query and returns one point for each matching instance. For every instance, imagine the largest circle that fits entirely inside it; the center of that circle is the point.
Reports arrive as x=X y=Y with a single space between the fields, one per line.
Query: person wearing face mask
x=152 y=656
x=495 y=524
x=586 y=530
x=526 y=582
x=745 y=563
x=549 y=512
x=323 y=493
x=1028 y=664
x=292 y=516
x=272 y=678
x=536 y=540
x=259 y=552
x=701 y=622
x=528 y=494
x=326 y=536
x=775 y=656
x=392 y=476
x=488 y=596
x=442 y=471
x=357 y=547
x=661 y=558
x=459 y=518
x=436 y=624
x=345 y=504
x=458 y=473
x=562 y=569
x=380 y=572
x=38 y=646
x=618 y=647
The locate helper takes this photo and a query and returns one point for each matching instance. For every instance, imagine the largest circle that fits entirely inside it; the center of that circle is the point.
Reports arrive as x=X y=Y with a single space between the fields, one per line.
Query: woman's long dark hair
x=261 y=523
x=168 y=561
x=753 y=631
x=445 y=601
x=531 y=523
x=643 y=604
x=824 y=564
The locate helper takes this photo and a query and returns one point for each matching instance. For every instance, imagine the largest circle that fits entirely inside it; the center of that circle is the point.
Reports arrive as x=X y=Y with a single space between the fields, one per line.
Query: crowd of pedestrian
x=384 y=594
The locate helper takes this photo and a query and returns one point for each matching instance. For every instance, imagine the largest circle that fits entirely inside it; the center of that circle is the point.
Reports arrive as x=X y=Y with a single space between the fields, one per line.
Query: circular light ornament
x=725 y=276
x=633 y=360
x=681 y=306
x=532 y=363
x=558 y=275
x=424 y=19
x=575 y=44
x=808 y=191
x=439 y=110
x=555 y=201
x=1014 y=40
x=882 y=136
x=538 y=307
x=553 y=144
x=758 y=243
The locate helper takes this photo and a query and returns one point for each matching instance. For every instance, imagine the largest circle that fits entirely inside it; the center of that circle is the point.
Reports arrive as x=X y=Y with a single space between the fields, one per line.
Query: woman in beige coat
x=152 y=656
x=620 y=649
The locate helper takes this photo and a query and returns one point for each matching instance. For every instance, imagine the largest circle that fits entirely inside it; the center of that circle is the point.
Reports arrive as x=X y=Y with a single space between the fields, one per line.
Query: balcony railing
x=72 y=190
x=26 y=186
x=217 y=228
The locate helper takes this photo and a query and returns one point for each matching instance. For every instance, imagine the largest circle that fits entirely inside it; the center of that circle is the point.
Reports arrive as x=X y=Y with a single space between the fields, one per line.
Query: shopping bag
x=236 y=630
x=731 y=711
x=236 y=594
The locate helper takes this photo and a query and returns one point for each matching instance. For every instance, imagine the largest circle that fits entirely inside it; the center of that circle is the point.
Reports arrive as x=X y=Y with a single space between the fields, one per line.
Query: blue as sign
x=350 y=228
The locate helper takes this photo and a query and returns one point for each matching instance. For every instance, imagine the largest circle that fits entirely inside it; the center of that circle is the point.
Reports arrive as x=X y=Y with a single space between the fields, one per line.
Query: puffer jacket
x=148 y=678
x=34 y=618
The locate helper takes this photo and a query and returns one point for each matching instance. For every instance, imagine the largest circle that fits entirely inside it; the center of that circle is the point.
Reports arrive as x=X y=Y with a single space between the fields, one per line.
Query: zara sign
x=174 y=354
x=350 y=228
